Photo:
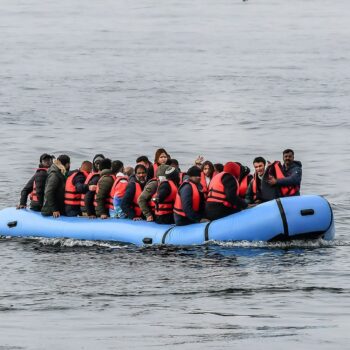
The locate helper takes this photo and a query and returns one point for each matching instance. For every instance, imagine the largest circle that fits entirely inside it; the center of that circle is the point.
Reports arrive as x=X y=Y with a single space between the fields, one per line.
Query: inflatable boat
x=303 y=217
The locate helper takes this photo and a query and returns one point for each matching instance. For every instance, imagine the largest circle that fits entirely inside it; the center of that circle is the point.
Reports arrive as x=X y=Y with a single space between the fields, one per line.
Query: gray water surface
x=227 y=79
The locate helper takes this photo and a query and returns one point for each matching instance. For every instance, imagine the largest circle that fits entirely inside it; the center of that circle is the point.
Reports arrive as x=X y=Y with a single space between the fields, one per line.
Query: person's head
x=219 y=167
x=117 y=166
x=105 y=164
x=288 y=157
x=259 y=164
x=64 y=160
x=174 y=163
x=161 y=156
x=96 y=161
x=172 y=174
x=129 y=171
x=144 y=161
x=194 y=174
x=141 y=173
x=46 y=160
x=233 y=168
x=160 y=174
x=86 y=166
x=208 y=168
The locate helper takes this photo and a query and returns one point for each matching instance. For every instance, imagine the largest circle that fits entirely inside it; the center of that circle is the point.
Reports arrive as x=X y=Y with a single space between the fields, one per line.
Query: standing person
x=75 y=187
x=189 y=202
x=254 y=194
x=145 y=201
x=87 y=200
x=36 y=185
x=103 y=200
x=165 y=196
x=161 y=157
x=55 y=187
x=223 y=196
x=286 y=178
x=133 y=191
x=208 y=172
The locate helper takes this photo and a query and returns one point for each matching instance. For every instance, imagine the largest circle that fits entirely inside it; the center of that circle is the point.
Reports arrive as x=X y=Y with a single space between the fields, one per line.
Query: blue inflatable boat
x=304 y=217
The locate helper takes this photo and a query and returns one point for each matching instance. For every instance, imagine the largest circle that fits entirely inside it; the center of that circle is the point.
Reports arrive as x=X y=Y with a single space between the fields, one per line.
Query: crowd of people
x=157 y=191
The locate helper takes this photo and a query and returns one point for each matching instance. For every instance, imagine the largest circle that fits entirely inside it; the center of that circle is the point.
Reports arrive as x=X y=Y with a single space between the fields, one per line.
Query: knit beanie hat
x=194 y=171
x=233 y=169
x=172 y=174
x=161 y=170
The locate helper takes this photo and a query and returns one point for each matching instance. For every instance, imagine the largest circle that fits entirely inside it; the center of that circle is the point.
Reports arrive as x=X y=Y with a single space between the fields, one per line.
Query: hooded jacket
x=105 y=184
x=54 y=189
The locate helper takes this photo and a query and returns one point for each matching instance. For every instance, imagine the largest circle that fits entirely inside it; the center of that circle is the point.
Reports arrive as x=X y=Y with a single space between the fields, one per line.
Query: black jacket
x=89 y=207
x=105 y=185
x=127 y=201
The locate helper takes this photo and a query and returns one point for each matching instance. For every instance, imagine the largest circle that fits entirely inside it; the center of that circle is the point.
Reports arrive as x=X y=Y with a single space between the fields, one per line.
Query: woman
x=208 y=172
x=161 y=157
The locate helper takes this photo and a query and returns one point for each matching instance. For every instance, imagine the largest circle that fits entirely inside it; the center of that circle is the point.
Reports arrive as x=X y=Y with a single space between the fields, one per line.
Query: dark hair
x=140 y=166
x=211 y=167
x=174 y=161
x=259 y=160
x=105 y=164
x=159 y=151
x=219 y=167
x=64 y=159
x=142 y=159
x=117 y=166
x=288 y=150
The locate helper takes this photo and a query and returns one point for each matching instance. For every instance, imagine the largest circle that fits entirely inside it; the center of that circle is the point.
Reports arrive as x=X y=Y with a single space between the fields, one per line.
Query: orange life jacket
x=33 y=195
x=205 y=187
x=135 y=205
x=217 y=191
x=87 y=182
x=286 y=191
x=182 y=175
x=167 y=206
x=71 y=196
x=243 y=185
x=109 y=199
x=119 y=186
x=196 y=199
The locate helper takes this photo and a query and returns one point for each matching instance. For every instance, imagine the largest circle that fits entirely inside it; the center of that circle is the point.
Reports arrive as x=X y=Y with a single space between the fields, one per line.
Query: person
x=161 y=157
x=103 y=200
x=36 y=185
x=145 y=202
x=189 y=202
x=223 y=195
x=285 y=178
x=75 y=187
x=134 y=189
x=129 y=171
x=175 y=164
x=208 y=172
x=143 y=160
x=118 y=189
x=254 y=194
x=244 y=179
x=219 y=167
x=165 y=197
x=55 y=187
x=87 y=199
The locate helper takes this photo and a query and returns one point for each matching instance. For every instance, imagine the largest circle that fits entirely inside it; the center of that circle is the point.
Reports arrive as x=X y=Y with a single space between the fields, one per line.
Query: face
x=259 y=168
x=195 y=179
x=288 y=158
x=206 y=170
x=141 y=175
x=162 y=158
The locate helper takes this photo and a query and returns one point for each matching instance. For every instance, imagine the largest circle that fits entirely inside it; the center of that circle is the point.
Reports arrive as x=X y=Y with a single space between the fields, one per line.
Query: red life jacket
x=217 y=191
x=33 y=195
x=196 y=199
x=204 y=183
x=286 y=191
x=182 y=175
x=71 y=196
x=87 y=182
x=119 y=186
x=167 y=206
x=109 y=199
x=135 y=205
x=243 y=185
x=155 y=167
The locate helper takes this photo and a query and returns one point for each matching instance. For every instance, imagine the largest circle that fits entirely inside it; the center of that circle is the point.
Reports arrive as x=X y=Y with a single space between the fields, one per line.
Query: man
x=75 y=187
x=143 y=160
x=36 y=185
x=254 y=192
x=189 y=202
x=55 y=187
x=133 y=191
x=223 y=196
x=285 y=178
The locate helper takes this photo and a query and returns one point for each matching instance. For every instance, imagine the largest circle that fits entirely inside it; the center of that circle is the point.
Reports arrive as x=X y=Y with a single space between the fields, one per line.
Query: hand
x=20 y=206
x=272 y=180
x=92 y=188
x=150 y=218
x=199 y=160
x=204 y=220
x=56 y=214
x=137 y=219
x=104 y=216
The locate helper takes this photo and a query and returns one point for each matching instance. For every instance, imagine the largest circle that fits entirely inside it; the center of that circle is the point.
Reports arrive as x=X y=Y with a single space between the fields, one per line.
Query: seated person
x=254 y=192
